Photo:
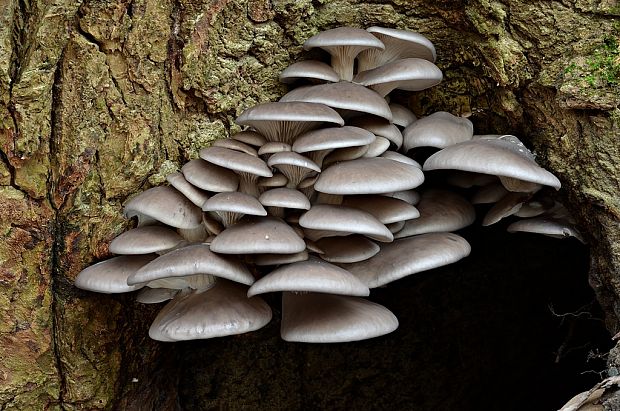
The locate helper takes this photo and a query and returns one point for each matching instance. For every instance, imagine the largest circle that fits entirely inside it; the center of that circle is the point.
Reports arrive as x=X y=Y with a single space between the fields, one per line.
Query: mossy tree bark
x=101 y=99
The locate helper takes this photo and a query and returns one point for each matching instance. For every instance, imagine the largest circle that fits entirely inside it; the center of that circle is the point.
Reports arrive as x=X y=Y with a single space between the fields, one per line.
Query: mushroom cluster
x=314 y=199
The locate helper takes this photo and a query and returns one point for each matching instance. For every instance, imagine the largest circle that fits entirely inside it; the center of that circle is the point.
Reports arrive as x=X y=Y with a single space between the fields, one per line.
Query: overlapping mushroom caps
x=308 y=200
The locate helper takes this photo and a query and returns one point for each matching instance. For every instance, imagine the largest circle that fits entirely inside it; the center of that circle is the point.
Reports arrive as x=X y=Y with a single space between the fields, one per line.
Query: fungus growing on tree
x=316 y=199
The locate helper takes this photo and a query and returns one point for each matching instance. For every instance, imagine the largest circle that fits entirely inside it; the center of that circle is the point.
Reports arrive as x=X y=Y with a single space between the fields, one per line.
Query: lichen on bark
x=99 y=100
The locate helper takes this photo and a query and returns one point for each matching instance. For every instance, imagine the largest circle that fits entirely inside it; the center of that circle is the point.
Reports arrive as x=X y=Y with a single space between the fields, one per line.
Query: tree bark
x=100 y=100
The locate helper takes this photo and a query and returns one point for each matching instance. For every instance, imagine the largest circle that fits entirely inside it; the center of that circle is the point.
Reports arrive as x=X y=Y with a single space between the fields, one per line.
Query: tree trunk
x=101 y=99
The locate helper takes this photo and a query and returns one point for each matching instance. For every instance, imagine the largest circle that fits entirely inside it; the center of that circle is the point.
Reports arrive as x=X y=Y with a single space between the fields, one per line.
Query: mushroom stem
x=342 y=63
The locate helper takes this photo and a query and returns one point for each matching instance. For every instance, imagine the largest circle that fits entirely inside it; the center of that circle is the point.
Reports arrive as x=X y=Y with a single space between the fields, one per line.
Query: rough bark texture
x=100 y=99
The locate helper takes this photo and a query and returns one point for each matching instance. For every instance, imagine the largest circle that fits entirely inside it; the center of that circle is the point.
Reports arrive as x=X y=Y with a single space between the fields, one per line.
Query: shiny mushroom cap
x=412 y=74
x=312 y=275
x=110 y=276
x=166 y=205
x=210 y=177
x=329 y=318
x=220 y=311
x=438 y=130
x=408 y=256
x=348 y=98
x=146 y=240
x=310 y=70
x=503 y=156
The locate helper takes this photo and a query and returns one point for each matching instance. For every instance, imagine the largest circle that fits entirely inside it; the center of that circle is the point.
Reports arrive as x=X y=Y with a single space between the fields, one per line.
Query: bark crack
x=56 y=232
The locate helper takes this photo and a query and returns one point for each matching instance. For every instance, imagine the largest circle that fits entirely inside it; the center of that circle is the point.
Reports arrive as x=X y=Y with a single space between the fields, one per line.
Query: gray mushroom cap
x=166 y=205
x=507 y=206
x=250 y=137
x=401 y=115
x=408 y=256
x=262 y=235
x=220 y=311
x=149 y=295
x=236 y=161
x=379 y=127
x=350 y=249
x=273 y=147
x=411 y=74
x=440 y=210
x=146 y=240
x=501 y=156
x=368 y=176
x=344 y=96
x=278 y=259
x=339 y=220
x=285 y=198
x=110 y=276
x=377 y=147
x=283 y=121
x=190 y=260
x=438 y=130
x=343 y=44
x=312 y=275
x=234 y=202
x=309 y=69
x=386 y=209
x=547 y=225
x=410 y=196
x=329 y=318
x=489 y=193
x=332 y=138
x=236 y=145
x=398 y=44
x=209 y=176
x=194 y=194
x=392 y=155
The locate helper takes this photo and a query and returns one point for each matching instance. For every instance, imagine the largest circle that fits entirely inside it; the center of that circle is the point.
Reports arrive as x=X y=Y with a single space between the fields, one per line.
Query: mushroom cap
x=343 y=96
x=333 y=39
x=285 y=198
x=410 y=196
x=332 y=138
x=210 y=177
x=440 y=210
x=291 y=158
x=278 y=259
x=489 y=193
x=377 y=147
x=345 y=220
x=273 y=147
x=263 y=235
x=194 y=194
x=149 y=295
x=549 y=226
x=166 y=205
x=408 y=256
x=190 y=260
x=368 y=176
x=146 y=240
x=398 y=44
x=277 y=180
x=386 y=209
x=401 y=115
x=235 y=145
x=309 y=69
x=501 y=156
x=329 y=318
x=438 y=130
x=250 y=137
x=236 y=161
x=283 y=121
x=313 y=275
x=110 y=276
x=393 y=155
x=219 y=311
x=411 y=74
x=234 y=202
x=507 y=206
x=379 y=127
x=351 y=249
